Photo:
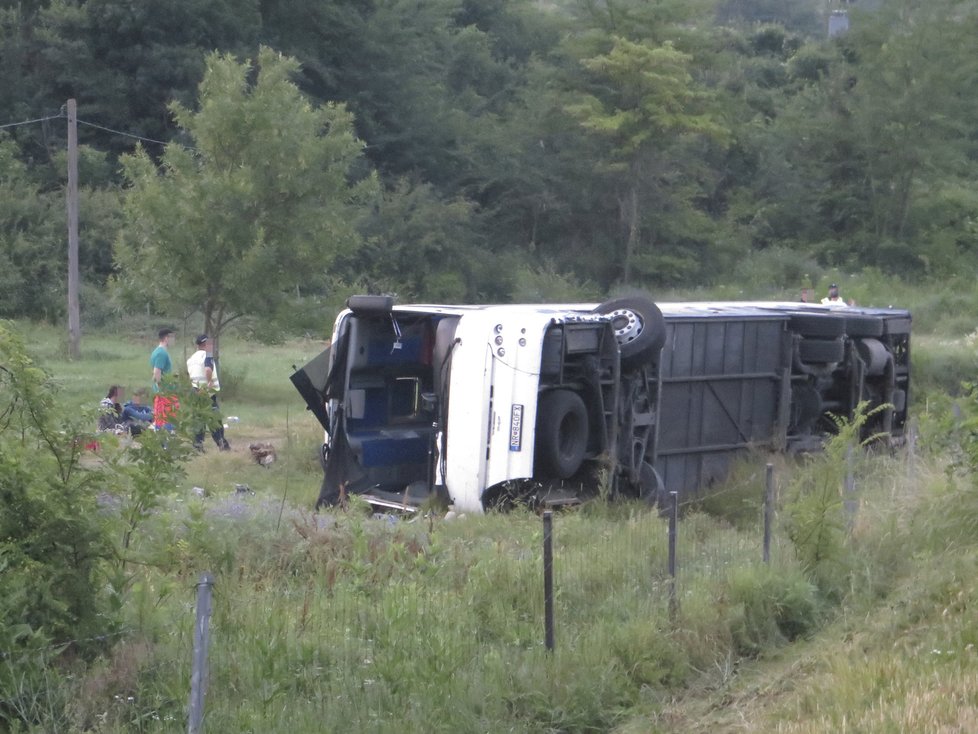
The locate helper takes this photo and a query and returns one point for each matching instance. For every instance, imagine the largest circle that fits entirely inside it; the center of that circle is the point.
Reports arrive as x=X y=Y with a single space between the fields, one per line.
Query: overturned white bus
x=481 y=404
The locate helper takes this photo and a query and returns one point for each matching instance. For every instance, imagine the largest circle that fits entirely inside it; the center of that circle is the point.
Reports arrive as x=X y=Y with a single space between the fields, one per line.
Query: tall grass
x=343 y=621
x=347 y=622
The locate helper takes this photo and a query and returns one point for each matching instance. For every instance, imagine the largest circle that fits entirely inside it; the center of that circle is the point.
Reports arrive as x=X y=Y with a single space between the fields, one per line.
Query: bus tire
x=561 y=434
x=821 y=351
x=864 y=326
x=822 y=325
x=639 y=329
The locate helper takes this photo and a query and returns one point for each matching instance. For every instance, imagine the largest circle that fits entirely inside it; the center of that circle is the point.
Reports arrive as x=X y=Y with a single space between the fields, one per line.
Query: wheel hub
x=626 y=325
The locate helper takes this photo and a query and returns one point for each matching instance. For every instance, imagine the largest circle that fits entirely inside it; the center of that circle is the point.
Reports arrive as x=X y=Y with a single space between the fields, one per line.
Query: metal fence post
x=673 y=531
x=768 y=510
x=911 y=452
x=548 y=579
x=850 y=500
x=198 y=676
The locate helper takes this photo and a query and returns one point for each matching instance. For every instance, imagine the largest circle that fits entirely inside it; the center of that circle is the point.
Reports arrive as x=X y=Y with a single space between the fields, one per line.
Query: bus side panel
x=720 y=394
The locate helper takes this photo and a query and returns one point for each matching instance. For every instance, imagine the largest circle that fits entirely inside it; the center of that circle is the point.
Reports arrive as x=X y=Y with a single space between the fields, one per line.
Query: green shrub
x=543 y=284
x=67 y=520
x=98 y=307
x=815 y=507
x=940 y=367
x=949 y=310
x=53 y=543
x=778 y=270
x=768 y=607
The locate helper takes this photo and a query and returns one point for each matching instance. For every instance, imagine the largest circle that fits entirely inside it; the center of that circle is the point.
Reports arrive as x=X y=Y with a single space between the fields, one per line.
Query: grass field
x=344 y=622
x=257 y=391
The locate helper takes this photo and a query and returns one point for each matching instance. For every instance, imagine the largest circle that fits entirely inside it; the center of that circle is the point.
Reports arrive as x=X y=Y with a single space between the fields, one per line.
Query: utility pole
x=74 y=317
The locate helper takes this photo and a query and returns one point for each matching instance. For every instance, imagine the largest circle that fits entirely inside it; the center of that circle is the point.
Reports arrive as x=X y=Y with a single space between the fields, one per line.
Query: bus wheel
x=562 y=434
x=639 y=328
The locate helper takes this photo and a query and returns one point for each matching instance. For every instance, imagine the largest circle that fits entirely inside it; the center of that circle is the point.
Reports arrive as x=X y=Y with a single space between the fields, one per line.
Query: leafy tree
x=33 y=231
x=421 y=78
x=419 y=246
x=647 y=106
x=32 y=227
x=45 y=496
x=867 y=161
x=66 y=524
x=912 y=109
x=263 y=201
x=126 y=60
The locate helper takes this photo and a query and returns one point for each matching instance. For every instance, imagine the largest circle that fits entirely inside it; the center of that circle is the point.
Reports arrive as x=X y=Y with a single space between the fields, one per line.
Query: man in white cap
x=833 y=298
x=203 y=376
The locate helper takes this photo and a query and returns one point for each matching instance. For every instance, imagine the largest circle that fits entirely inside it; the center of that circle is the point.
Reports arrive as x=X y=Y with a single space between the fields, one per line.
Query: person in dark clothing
x=110 y=412
x=135 y=410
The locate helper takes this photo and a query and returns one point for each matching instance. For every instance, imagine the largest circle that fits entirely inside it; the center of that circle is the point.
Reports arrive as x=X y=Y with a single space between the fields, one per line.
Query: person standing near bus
x=833 y=298
x=203 y=376
x=164 y=405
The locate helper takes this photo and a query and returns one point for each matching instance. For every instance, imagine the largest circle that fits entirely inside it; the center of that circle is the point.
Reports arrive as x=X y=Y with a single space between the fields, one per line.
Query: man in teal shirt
x=159 y=360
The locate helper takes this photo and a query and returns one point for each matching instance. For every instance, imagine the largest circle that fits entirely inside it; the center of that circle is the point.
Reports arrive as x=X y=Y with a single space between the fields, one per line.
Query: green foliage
x=778 y=270
x=769 y=607
x=53 y=545
x=941 y=367
x=795 y=14
x=262 y=202
x=854 y=169
x=31 y=226
x=233 y=382
x=419 y=246
x=946 y=310
x=647 y=106
x=966 y=430
x=663 y=143
x=817 y=529
x=33 y=274
x=544 y=284
x=819 y=508
x=125 y=61
x=67 y=522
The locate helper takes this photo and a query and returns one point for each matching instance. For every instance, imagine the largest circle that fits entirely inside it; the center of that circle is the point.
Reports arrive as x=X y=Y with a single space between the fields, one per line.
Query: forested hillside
x=483 y=149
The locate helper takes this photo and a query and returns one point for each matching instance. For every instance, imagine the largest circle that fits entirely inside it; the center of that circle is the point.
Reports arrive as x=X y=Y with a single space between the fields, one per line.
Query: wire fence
x=363 y=625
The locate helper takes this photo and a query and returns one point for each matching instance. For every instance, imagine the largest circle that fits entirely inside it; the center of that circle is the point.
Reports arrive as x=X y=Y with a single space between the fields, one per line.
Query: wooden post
x=198 y=676
x=74 y=317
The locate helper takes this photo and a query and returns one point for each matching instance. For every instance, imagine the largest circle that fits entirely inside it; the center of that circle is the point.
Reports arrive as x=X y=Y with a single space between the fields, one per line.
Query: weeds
x=345 y=622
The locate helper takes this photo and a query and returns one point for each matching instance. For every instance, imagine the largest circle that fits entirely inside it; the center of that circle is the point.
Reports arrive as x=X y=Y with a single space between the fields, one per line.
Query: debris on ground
x=262 y=453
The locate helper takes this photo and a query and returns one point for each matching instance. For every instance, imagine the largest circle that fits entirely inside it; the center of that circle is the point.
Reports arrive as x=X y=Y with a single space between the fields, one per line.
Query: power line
x=58 y=116
x=120 y=132
x=61 y=115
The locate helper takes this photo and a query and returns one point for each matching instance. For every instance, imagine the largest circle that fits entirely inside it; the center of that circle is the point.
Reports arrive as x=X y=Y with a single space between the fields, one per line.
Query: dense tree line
x=503 y=145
